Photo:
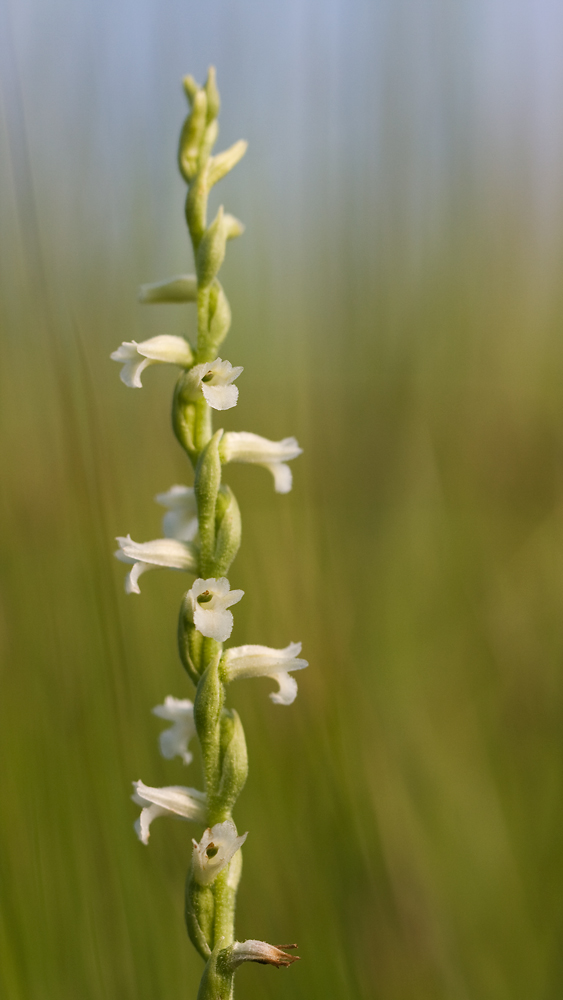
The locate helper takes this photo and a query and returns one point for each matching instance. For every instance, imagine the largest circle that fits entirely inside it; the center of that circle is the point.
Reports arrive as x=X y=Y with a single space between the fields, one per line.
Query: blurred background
x=397 y=306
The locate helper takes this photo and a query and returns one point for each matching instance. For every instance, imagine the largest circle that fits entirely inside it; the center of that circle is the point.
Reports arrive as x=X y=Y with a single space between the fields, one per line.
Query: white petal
x=174 y=741
x=288 y=688
x=142 y=824
x=186 y=802
x=127 y=351
x=178 y=498
x=220 y=397
x=283 y=478
x=167 y=552
x=131 y=372
x=132 y=578
x=167 y=349
x=213 y=624
x=260 y=661
x=243 y=446
x=174 y=708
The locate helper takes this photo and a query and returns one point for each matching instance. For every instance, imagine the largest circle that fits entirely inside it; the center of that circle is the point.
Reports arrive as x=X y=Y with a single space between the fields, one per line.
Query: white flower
x=213 y=379
x=174 y=741
x=209 y=601
x=262 y=661
x=175 y=800
x=180 y=521
x=262 y=952
x=242 y=446
x=165 y=552
x=136 y=357
x=215 y=850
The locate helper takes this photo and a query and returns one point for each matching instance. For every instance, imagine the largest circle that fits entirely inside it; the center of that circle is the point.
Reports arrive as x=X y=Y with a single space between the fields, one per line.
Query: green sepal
x=213 y=98
x=228 y=528
x=190 y=642
x=217 y=981
x=207 y=483
x=199 y=914
x=192 y=135
x=208 y=705
x=211 y=250
x=233 y=767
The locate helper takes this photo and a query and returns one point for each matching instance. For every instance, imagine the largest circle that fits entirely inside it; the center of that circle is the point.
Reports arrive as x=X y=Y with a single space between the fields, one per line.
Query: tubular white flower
x=174 y=741
x=167 y=553
x=215 y=850
x=175 y=800
x=243 y=446
x=135 y=357
x=180 y=521
x=213 y=379
x=209 y=603
x=262 y=661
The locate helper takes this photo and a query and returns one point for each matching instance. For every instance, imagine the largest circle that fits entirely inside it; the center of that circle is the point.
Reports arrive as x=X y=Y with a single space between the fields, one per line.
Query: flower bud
x=213 y=99
x=192 y=135
x=234 y=227
x=182 y=288
x=190 y=87
x=211 y=251
x=224 y=162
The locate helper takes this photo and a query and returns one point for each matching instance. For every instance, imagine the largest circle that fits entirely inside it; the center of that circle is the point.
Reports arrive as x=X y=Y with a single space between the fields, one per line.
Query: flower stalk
x=202 y=532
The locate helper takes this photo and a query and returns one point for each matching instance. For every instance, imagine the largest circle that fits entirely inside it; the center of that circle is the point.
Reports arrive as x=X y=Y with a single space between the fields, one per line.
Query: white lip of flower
x=174 y=741
x=215 y=850
x=180 y=520
x=213 y=379
x=243 y=446
x=161 y=552
x=262 y=661
x=135 y=357
x=209 y=602
x=175 y=800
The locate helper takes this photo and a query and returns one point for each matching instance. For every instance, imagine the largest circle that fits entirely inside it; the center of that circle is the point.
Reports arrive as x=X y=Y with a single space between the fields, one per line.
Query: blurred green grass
x=405 y=812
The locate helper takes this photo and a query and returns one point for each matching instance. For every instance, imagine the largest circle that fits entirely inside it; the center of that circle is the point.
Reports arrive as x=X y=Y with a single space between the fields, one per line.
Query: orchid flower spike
x=215 y=850
x=135 y=357
x=180 y=520
x=242 y=446
x=175 y=800
x=174 y=741
x=262 y=661
x=164 y=552
x=214 y=379
x=209 y=601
